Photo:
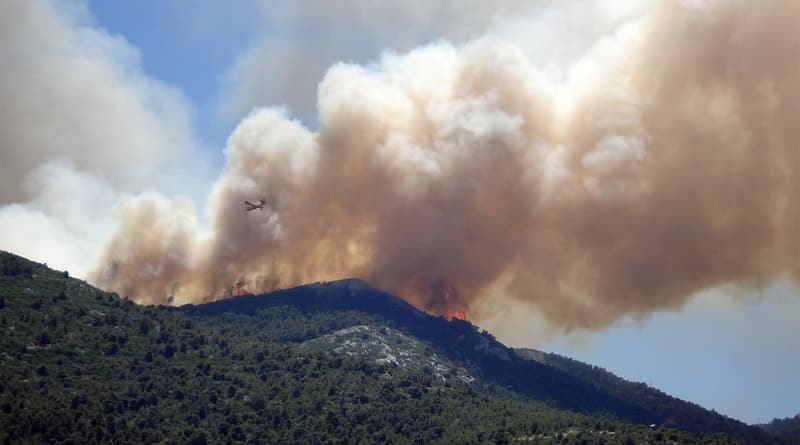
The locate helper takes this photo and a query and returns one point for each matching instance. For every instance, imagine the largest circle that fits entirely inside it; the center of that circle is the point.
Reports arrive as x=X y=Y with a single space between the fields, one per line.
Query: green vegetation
x=787 y=429
x=501 y=371
x=78 y=365
x=689 y=416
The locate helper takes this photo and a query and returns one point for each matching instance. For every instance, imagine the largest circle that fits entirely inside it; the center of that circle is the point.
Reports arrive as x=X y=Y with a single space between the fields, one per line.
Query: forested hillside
x=788 y=429
x=688 y=415
x=552 y=381
x=78 y=365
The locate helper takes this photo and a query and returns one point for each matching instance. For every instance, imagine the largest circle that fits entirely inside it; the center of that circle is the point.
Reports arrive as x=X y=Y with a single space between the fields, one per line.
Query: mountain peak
x=345 y=283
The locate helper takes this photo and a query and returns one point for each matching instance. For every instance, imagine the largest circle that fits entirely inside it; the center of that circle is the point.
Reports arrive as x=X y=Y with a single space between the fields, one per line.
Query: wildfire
x=452 y=311
x=455 y=313
x=239 y=289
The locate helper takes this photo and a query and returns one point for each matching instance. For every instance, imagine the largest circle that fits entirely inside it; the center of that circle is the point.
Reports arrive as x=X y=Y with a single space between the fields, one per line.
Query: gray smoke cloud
x=659 y=164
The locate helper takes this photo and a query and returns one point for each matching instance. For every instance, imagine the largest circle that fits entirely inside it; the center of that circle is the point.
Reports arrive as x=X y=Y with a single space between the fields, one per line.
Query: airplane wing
x=253 y=206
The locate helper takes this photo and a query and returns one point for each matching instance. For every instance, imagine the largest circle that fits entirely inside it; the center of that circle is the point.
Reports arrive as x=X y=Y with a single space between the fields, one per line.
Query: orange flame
x=452 y=311
x=455 y=313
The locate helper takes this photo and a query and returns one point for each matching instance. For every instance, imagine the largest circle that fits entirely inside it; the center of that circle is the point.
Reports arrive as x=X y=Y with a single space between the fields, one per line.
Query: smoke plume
x=661 y=164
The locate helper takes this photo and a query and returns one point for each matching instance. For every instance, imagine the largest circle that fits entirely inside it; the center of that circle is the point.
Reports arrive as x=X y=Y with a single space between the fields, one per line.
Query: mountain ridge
x=481 y=353
x=85 y=366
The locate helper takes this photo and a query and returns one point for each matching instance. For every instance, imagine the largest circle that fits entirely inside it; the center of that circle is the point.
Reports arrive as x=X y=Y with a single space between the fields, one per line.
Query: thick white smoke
x=589 y=160
x=659 y=162
x=301 y=40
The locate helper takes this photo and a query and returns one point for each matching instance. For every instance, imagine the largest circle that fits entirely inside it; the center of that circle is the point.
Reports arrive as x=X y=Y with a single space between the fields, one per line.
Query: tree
x=44 y=339
x=111 y=349
x=198 y=438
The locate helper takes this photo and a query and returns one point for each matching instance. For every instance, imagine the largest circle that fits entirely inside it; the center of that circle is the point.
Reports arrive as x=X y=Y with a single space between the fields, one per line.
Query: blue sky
x=192 y=48
x=733 y=356
x=729 y=350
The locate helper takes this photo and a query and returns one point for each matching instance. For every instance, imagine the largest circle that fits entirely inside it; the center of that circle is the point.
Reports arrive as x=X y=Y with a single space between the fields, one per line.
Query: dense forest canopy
x=79 y=365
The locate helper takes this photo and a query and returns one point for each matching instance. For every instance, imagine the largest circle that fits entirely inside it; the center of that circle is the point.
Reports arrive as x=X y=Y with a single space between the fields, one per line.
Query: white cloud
x=302 y=40
x=80 y=122
x=65 y=222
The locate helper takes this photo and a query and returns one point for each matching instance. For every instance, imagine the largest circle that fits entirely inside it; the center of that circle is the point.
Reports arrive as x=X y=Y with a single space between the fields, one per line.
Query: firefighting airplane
x=260 y=205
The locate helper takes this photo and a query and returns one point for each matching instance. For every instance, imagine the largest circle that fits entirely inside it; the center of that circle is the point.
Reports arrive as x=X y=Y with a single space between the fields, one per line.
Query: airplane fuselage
x=252 y=206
